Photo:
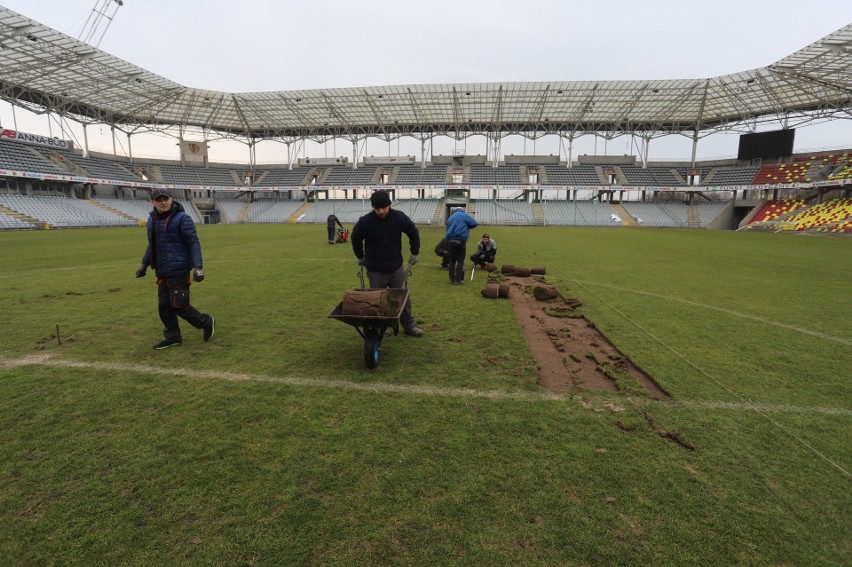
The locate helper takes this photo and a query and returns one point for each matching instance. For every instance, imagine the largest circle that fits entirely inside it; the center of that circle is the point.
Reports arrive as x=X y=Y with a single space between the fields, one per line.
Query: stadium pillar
x=86 y=141
x=570 y=149
x=129 y=148
x=694 y=145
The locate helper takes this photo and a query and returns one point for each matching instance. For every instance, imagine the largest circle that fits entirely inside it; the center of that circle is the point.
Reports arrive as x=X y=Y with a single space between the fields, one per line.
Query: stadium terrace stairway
x=538 y=214
x=693 y=219
x=16 y=216
x=298 y=213
x=110 y=210
x=243 y=215
x=627 y=219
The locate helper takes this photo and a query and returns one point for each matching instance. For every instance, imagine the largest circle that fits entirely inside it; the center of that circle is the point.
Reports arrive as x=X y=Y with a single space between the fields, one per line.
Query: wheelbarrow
x=374 y=328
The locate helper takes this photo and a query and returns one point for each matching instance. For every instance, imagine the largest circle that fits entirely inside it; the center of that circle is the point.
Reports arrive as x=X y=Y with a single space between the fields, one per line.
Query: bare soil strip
x=570 y=351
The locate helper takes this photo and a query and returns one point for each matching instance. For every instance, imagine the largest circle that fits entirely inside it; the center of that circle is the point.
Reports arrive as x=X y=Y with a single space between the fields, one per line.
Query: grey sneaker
x=414 y=331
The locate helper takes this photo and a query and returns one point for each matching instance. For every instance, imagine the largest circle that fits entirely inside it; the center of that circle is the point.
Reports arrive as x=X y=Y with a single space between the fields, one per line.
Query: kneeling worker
x=443 y=250
x=486 y=250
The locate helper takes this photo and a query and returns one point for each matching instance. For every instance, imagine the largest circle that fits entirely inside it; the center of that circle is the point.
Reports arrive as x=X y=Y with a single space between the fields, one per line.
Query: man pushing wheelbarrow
x=377 y=242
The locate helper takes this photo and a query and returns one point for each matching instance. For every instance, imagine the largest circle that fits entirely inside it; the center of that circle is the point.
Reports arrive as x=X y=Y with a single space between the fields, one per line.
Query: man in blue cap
x=174 y=252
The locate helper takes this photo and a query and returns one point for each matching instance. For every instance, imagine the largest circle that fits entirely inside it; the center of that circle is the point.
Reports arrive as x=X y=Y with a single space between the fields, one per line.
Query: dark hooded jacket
x=380 y=240
x=173 y=246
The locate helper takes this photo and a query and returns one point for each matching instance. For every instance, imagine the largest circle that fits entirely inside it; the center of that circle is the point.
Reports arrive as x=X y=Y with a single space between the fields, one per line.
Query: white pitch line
x=764 y=320
x=384 y=388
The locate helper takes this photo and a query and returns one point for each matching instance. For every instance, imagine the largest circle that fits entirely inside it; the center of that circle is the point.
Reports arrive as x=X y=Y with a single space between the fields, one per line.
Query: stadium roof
x=44 y=70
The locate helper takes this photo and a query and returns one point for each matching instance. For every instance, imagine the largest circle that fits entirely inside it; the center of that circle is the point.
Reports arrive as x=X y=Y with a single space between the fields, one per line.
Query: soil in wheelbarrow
x=369 y=303
x=570 y=351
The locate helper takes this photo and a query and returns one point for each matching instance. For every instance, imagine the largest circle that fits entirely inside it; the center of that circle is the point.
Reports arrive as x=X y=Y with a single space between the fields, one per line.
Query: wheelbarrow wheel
x=372 y=342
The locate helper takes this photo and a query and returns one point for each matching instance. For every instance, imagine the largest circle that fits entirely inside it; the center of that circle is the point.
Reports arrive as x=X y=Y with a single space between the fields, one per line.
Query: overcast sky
x=268 y=45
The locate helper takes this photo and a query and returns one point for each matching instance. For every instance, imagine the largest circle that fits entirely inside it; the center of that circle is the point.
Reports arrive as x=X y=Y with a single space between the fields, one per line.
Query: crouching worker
x=377 y=242
x=486 y=251
x=174 y=252
x=443 y=250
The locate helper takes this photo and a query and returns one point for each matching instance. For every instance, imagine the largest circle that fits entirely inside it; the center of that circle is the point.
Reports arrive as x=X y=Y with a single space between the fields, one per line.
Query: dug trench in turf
x=570 y=351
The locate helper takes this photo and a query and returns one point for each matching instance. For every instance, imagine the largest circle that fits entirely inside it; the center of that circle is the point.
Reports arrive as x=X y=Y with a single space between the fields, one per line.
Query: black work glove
x=361 y=262
x=197 y=275
x=143 y=269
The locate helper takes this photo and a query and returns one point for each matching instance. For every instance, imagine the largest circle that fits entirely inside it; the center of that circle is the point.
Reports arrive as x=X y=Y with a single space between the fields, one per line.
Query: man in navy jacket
x=377 y=242
x=174 y=251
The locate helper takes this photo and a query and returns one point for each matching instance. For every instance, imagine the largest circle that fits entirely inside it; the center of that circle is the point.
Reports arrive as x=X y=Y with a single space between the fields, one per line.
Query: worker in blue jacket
x=458 y=231
x=174 y=252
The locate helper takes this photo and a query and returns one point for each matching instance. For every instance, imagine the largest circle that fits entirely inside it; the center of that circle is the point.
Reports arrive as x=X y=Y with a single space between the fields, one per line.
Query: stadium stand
x=577 y=175
x=822 y=214
x=192 y=175
x=503 y=212
x=267 y=210
x=230 y=208
x=61 y=211
x=783 y=173
x=348 y=211
x=650 y=176
x=8 y=222
x=23 y=157
x=482 y=174
x=708 y=211
x=577 y=213
x=281 y=177
x=421 y=211
x=410 y=174
x=137 y=208
x=772 y=210
x=731 y=175
x=345 y=175
x=651 y=214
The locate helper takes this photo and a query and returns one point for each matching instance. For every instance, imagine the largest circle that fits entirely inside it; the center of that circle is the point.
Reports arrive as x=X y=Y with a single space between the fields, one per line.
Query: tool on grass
x=472 y=271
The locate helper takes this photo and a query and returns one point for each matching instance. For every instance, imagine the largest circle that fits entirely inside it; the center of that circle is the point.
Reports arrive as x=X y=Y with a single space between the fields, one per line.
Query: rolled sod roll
x=545 y=292
x=490 y=291
x=368 y=303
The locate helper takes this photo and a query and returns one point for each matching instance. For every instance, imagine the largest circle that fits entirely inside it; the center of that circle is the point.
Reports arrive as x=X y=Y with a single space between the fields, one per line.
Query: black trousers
x=173 y=302
x=458 y=249
x=484 y=257
x=331 y=234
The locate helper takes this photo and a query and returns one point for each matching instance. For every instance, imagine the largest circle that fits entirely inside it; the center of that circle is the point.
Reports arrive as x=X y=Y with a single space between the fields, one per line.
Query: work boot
x=413 y=331
x=166 y=343
x=209 y=329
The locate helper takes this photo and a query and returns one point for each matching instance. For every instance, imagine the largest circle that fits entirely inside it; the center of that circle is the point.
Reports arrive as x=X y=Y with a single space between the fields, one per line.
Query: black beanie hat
x=380 y=199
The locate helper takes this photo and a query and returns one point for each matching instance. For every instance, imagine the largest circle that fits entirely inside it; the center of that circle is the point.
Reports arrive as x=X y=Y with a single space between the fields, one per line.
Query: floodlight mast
x=99 y=20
